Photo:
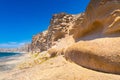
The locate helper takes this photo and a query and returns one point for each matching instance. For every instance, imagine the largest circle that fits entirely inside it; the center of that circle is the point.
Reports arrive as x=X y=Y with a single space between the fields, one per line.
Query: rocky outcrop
x=97 y=37
x=59 y=28
x=100 y=54
x=96 y=33
x=99 y=14
x=39 y=42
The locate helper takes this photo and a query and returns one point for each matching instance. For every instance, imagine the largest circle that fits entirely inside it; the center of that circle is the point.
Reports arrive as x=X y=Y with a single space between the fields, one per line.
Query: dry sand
x=59 y=69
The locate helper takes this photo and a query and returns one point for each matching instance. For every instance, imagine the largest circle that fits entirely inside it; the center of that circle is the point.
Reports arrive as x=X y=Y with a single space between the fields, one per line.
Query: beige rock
x=103 y=14
x=102 y=54
x=39 y=42
x=96 y=33
x=59 y=27
x=53 y=52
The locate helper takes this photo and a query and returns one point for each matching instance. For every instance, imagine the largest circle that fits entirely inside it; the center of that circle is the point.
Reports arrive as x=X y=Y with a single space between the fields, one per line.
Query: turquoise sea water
x=7 y=54
x=6 y=57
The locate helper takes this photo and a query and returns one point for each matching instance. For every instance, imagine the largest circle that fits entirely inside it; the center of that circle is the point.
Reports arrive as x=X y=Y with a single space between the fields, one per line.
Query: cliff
x=58 y=28
x=39 y=42
x=99 y=15
x=97 y=37
x=101 y=20
x=103 y=14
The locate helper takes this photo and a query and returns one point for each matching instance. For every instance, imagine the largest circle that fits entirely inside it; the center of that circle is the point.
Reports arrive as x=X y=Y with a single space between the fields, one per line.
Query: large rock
x=97 y=35
x=101 y=54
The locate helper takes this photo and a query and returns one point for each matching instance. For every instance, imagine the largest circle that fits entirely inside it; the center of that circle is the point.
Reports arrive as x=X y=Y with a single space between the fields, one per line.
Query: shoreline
x=9 y=62
x=13 y=52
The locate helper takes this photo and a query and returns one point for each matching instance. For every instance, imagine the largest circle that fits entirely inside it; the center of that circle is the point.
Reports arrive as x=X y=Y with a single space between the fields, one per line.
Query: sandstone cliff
x=39 y=42
x=102 y=16
x=90 y=39
x=97 y=37
x=59 y=28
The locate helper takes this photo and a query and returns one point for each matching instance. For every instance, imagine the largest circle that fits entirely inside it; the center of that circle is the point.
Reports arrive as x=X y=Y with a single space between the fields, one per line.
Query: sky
x=21 y=19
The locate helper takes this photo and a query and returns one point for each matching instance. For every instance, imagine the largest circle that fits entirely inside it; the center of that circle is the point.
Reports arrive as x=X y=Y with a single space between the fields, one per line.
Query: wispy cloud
x=12 y=44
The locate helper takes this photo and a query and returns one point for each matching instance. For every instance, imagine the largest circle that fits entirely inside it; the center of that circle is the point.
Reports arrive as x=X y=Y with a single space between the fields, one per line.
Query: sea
x=7 y=59
x=7 y=54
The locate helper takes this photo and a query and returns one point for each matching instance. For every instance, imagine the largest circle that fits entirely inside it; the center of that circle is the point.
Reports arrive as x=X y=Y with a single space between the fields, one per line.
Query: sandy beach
x=7 y=64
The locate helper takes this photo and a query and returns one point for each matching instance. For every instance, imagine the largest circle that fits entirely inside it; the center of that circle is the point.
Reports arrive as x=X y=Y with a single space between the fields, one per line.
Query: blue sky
x=21 y=19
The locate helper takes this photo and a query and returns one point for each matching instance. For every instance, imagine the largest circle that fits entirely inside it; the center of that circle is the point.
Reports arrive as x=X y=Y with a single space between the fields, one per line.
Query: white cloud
x=12 y=44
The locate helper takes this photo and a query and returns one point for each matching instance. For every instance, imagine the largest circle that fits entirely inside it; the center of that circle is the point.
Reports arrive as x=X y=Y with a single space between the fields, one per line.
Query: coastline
x=8 y=63
x=13 y=52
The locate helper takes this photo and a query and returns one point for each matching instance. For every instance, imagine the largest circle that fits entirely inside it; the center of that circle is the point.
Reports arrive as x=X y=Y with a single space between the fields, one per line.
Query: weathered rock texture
x=39 y=42
x=100 y=54
x=103 y=14
x=96 y=33
x=98 y=37
x=59 y=28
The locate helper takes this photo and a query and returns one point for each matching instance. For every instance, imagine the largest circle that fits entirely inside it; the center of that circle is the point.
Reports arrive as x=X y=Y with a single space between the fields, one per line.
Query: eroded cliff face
x=102 y=15
x=39 y=42
x=101 y=19
x=59 y=28
x=97 y=37
x=89 y=39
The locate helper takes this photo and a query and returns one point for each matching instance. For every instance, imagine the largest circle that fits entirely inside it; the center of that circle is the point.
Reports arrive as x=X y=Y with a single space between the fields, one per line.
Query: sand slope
x=59 y=69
